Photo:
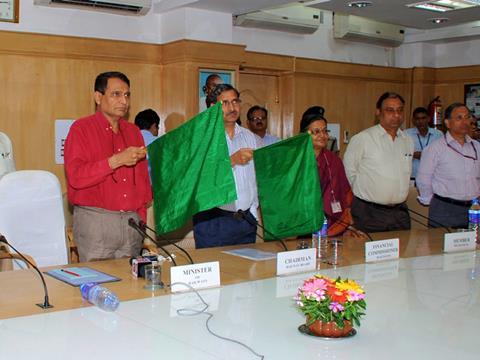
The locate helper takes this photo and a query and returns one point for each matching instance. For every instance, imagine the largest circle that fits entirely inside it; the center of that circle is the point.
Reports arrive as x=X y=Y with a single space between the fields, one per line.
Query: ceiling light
x=438 y=20
x=359 y=4
x=444 y=5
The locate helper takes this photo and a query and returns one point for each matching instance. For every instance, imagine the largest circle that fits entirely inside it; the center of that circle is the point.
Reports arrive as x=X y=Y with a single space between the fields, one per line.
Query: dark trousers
x=444 y=214
x=217 y=227
x=370 y=217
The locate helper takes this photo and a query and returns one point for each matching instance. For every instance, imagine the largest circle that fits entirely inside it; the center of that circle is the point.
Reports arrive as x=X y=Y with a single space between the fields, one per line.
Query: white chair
x=31 y=215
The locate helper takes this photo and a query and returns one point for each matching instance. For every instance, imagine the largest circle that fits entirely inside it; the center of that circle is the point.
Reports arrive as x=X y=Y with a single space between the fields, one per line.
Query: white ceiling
x=391 y=11
x=395 y=12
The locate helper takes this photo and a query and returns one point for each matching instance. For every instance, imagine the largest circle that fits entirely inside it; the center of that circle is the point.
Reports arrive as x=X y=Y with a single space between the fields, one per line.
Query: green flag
x=191 y=170
x=289 y=188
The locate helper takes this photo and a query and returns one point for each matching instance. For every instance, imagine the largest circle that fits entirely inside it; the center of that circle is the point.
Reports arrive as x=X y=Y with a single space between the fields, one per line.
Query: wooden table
x=22 y=289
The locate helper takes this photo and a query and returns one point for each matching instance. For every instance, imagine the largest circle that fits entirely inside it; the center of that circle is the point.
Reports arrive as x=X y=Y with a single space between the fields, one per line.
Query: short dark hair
x=312 y=114
x=101 y=81
x=388 y=95
x=451 y=107
x=420 y=110
x=219 y=89
x=317 y=109
x=146 y=118
x=255 y=108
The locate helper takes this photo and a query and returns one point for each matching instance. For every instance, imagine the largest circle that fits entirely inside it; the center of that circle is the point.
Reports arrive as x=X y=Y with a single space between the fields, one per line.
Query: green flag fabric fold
x=289 y=188
x=191 y=170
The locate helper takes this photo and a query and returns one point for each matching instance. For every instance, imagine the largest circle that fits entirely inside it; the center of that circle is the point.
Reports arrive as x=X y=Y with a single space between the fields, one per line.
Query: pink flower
x=336 y=307
x=314 y=288
x=354 y=296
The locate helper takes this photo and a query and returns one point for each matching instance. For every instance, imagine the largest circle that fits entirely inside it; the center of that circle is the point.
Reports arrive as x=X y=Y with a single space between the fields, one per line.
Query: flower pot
x=330 y=329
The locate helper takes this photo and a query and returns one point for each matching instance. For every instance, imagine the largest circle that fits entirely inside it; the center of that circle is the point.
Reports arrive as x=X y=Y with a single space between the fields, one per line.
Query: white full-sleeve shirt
x=244 y=175
x=378 y=167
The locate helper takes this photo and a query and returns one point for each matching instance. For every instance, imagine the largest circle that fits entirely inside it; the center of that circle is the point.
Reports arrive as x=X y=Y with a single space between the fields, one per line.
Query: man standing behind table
x=449 y=174
x=257 y=117
x=148 y=122
x=378 y=164
x=107 y=175
x=223 y=225
x=422 y=136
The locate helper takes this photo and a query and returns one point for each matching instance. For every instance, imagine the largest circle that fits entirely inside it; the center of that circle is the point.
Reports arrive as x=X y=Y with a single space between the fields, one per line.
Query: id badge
x=336 y=207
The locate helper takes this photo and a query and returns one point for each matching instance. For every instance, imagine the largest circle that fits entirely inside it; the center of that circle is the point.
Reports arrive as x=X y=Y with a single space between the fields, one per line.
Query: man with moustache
x=448 y=177
x=422 y=135
x=223 y=226
x=257 y=117
x=107 y=174
x=378 y=164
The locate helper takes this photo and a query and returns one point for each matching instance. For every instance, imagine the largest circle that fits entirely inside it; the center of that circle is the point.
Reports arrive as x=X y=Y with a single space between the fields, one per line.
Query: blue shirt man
x=422 y=136
x=148 y=122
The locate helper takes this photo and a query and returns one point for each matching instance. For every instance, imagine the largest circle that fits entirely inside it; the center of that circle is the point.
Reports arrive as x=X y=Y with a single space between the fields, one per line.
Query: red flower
x=337 y=295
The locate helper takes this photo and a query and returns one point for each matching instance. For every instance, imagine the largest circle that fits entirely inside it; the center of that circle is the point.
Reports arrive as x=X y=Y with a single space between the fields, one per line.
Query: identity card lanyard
x=420 y=141
x=336 y=206
x=458 y=152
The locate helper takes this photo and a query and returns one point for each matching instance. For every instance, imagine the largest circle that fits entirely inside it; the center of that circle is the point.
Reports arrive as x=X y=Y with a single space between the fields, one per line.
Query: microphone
x=240 y=214
x=143 y=225
x=134 y=225
x=431 y=220
x=46 y=304
x=348 y=225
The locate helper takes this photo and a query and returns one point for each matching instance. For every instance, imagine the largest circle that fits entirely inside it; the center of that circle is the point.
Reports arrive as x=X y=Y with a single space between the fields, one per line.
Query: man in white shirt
x=7 y=163
x=257 y=117
x=422 y=135
x=224 y=225
x=378 y=164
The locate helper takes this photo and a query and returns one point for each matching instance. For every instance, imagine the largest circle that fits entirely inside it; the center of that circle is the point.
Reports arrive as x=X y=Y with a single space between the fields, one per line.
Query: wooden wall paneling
x=43 y=84
x=287 y=90
x=263 y=90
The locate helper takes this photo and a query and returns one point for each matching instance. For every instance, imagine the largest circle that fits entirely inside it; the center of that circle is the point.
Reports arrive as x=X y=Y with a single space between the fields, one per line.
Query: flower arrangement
x=324 y=299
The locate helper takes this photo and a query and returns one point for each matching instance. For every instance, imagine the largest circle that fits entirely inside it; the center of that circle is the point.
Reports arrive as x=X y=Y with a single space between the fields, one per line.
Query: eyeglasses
x=258 y=118
x=317 y=131
x=460 y=117
x=119 y=94
x=233 y=102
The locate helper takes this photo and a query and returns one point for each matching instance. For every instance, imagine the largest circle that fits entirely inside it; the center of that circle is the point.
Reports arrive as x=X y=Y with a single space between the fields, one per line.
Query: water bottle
x=319 y=240
x=474 y=217
x=100 y=296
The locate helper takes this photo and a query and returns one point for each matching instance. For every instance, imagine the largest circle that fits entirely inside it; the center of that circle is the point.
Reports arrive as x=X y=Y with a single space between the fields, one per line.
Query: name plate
x=460 y=241
x=382 y=250
x=198 y=276
x=290 y=262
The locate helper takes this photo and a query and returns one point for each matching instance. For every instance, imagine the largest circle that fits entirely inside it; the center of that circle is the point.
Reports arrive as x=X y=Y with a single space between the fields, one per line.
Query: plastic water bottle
x=319 y=240
x=474 y=217
x=100 y=296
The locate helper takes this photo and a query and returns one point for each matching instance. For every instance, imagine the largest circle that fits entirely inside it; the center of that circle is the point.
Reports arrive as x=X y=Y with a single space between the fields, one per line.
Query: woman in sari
x=336 y=191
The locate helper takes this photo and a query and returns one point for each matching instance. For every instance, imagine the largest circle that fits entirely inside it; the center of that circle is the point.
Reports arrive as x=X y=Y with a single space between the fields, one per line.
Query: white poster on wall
x=334 y=133
x=62 y=127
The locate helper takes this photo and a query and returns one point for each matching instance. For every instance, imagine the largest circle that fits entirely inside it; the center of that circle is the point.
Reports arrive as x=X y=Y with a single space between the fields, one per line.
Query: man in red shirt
x=107 y=174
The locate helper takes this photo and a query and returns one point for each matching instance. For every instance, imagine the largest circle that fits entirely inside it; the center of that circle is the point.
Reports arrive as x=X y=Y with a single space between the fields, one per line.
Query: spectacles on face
x=234 y=102
x=258 y=118
x=460 y=117
x=119 y=94
x=390 y=110
x=318 y=131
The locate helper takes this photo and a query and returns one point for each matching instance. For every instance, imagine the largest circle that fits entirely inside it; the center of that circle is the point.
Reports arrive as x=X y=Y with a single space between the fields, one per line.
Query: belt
x=215 y=213
x=464 y=203
x=392 y=206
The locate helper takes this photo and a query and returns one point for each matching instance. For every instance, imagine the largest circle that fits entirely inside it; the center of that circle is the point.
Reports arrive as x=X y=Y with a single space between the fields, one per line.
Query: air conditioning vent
x=136 y=7
x=295 y=19
x=355 y=28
